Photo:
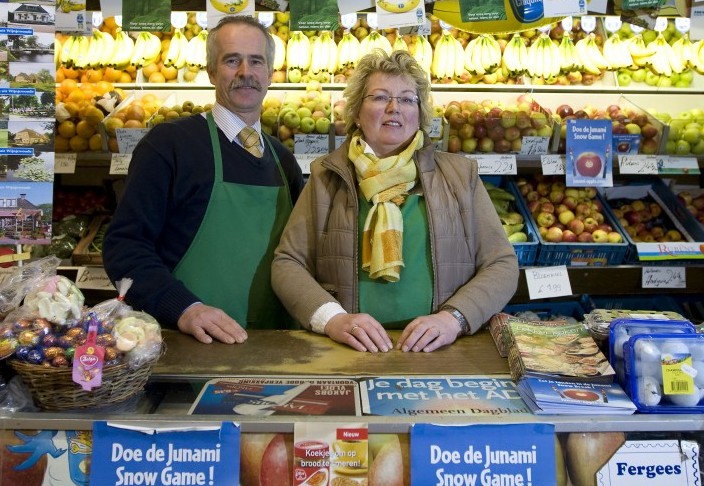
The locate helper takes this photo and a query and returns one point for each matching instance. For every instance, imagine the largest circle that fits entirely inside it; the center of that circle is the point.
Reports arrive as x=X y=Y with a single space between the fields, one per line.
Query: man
x=202 y=211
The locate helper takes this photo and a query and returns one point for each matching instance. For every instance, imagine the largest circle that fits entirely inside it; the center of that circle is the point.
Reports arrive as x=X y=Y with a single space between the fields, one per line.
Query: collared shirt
x=231 y=125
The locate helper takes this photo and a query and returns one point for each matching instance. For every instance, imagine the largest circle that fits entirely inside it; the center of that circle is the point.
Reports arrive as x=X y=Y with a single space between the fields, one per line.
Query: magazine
x=545 y=396
x=263 y=396
x=555 y=350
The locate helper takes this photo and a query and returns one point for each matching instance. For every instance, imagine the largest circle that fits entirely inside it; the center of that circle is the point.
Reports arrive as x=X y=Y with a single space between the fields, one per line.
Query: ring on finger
x=354 y=328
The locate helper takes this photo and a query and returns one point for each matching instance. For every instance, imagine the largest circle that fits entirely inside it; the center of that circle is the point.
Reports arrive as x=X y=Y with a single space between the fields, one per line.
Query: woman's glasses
x=384 y=100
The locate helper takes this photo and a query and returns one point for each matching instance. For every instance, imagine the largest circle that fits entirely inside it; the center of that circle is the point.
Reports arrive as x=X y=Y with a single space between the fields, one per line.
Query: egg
x=699 y=376
x=696 y=349
x=649 y=368
x=686 y=400
x=673 y=347
x=646 y=351
x=649 y=391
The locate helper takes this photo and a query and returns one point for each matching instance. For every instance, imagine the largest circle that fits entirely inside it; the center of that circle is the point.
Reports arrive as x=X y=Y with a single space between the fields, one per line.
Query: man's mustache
x=246 y=83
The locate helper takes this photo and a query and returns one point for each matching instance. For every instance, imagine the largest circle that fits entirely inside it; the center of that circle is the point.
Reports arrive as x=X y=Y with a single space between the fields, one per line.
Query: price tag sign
x=637 y=164
x=553 y=164
x=311 y=144
x=534 y=145
x=93 y=278
x=660 y=24
x=588 y=23
x=682 y=24
x=119 y=163
x=664 y=278
x=128 y=138
x=696 y=17
x=435 y=127
x=545 y=282
x=678 y=165
x=612 y=23
x=304 y=161
x=560 y=8
x=65 y=163
x=495 y=164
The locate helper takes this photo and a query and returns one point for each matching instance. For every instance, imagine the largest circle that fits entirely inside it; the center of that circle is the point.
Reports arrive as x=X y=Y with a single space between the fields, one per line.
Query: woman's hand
x=428 y=333
x=359 y=331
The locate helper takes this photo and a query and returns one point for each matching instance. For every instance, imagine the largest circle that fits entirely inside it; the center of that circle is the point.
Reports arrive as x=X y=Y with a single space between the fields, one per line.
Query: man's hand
x=205 y=323
x=360 y=331
x=428 y=333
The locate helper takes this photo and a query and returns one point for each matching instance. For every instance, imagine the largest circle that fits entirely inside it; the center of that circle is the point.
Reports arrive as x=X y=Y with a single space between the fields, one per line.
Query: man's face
x=241 y=76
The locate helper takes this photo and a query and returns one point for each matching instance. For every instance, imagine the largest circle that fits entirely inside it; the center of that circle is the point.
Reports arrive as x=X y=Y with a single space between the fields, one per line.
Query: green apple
x=624 y=79
x=638 y=76
x=698 y=149
x=269 y=117
x=322 y=125
x=651 y=79
x=682 y=147
x=633 y=129
x=292 y=120
x=307 y=124
x=294 y=75
x=670 y=146
x=304 y=112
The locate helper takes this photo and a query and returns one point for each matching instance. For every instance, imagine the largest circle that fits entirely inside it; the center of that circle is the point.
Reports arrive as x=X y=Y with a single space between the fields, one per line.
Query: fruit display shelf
x=682 y=238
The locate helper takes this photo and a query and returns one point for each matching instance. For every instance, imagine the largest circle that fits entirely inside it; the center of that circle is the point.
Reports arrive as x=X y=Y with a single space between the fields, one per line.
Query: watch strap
x=464 y=324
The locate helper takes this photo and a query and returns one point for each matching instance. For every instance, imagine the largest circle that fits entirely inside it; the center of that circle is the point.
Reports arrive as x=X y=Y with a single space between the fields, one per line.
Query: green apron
x=228 y=264
x=395 y=304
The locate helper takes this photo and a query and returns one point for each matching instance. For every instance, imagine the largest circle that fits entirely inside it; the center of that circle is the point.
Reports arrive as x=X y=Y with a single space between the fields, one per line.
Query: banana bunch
x=448 y=60
x=664 y=60
x=196 y=56
x=323 y=54
x=515 y=56
x=696 y=50
x=347 y=52
x=590 y=55
x=544 y=58
x=617 y=53
x=279 y=53
x=374 y=41
x=75 y=51
x=511 y=221
x=683 y=49
x=569 y=59
x=482 y=55
x=57 y=52
x=399 y=44
x=176 y=54
x=422 y=52
x=122 y=54
x=640 y=53
x=147 y=49
x=298 y=51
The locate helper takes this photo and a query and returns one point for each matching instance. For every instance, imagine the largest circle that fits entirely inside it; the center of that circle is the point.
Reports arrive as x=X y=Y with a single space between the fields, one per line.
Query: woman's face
x=389 y=126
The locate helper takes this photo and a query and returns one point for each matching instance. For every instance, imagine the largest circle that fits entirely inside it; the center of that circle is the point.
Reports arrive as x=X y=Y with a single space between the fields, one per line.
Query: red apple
x=585 y=237
x=554 y=235
x=545 y=219
x=568 y=236
x=614 y=237
x=590 y=224
x=588 y=164
x=576 y=226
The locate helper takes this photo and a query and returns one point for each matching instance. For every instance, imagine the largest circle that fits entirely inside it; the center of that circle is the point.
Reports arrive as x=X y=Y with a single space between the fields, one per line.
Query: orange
x=67 y=129
x=60 y=76
x=68 y=85
x=92 y=115
x=95 y=143
x=72 y=108
x=150 y=69
x=133 y=124
x=157 y=78
x=134 y=112
x=112 y=124
x=111 y=74
x=112 y=145
x=61 y=144
x=71 y=73
x=169 y=73
x=149 y=98
x=85 y=129
x=78 y=144
x=102 y=87
x=124 y=77
x=76 y=96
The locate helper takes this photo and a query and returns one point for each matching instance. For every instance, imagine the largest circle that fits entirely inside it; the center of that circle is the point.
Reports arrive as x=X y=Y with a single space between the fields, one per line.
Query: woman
x=388 y=233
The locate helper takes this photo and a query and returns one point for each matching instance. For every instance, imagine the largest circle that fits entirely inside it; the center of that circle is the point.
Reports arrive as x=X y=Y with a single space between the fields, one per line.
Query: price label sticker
x=545 y=282
x=128 y=138
x=534 y=145
x=119 y=163
x=660 y=24
x=678 y=165
x=612 y=23
x=560 y=8
x=553 y=164
x=664 y=278
x=65 y=163
x=435 y=127
x=495 y=164
x=682 y=24
x=588 y=23
x=637 y=164
x=311 y=144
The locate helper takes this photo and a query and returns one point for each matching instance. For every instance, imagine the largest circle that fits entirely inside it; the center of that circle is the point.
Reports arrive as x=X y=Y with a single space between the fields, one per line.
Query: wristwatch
x=464 y=325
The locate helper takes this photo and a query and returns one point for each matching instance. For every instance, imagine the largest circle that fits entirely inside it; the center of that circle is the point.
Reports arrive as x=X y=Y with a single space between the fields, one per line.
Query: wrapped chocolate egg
x=49 y=340
x=53 y=352
x=65 y=341
x=21 y=324
x=6 y=332
x=28 y=338
x=42 y=325
x=60 y=362
x=70 y=351
x=35 y=356
x=75 y=333
x=8 y=345
x=105 y=340
x=22 y=352
x=111 y=353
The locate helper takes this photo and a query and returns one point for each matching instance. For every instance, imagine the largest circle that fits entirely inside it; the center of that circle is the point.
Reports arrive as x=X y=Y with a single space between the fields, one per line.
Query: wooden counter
x=306 y=353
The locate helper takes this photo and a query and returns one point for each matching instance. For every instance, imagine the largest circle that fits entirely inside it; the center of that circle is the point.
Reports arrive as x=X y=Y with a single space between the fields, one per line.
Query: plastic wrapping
x=56 y=299
x=111 y=309
x=138 y=335
x=26 y=277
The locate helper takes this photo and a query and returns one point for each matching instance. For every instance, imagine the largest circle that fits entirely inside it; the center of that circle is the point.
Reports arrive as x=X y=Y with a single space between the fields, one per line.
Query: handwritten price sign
x=637 y=164
x=65 y=164
x=664 y=278
x=495 y=164
x=545 y=282
x=553 y=164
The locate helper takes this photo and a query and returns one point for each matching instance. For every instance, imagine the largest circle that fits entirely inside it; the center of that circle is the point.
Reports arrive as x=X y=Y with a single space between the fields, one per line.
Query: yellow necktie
x=250 y=140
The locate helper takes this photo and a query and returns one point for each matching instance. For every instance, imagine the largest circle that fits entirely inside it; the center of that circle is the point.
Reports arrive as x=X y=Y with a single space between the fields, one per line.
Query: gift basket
x=71 y=357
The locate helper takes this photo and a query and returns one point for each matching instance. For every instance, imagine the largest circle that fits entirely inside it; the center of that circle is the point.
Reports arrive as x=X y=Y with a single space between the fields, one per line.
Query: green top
x=395 y=304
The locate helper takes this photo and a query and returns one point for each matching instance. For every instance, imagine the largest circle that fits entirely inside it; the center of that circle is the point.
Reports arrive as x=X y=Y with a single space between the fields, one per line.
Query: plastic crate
x=576 y=254
x=674 y=215
x=527 y=251
x=549 y=310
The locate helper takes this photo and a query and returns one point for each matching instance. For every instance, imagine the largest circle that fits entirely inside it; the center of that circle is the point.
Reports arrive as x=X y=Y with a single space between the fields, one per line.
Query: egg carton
x=665 y=372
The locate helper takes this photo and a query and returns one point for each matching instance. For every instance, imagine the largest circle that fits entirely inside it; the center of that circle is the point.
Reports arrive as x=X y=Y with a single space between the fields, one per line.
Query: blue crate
x=547 y=310
x=655 y=188
x=577 y=254
x=528 y=251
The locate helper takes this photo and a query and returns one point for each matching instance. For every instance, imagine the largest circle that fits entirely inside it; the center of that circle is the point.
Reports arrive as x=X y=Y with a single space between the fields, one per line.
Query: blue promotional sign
x=184 y=457
x=589 y=153
x=483 y=455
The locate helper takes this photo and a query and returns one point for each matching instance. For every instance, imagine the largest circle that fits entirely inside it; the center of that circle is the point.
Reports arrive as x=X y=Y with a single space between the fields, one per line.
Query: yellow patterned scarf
x=386 y=183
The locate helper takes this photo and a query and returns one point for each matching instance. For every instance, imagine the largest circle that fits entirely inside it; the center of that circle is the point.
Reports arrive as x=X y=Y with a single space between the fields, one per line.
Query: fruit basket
x=602 y=244
x=656 y=228
x=88 y=251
